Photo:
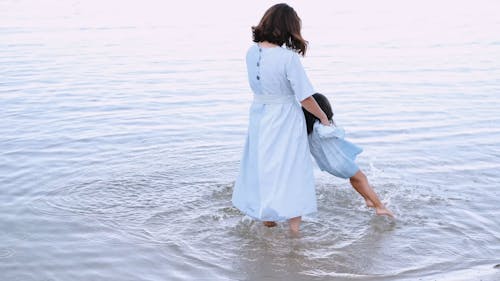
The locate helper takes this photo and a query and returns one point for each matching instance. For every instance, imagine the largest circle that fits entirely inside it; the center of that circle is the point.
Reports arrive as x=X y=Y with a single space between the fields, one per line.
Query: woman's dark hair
x=324 y=104
x=281 y=25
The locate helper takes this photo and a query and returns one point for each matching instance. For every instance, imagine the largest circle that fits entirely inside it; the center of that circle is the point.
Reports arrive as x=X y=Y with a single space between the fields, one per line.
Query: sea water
x=122 y=125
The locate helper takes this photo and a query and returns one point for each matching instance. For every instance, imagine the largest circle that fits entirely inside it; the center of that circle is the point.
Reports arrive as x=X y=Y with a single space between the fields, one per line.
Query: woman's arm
x=312 y=106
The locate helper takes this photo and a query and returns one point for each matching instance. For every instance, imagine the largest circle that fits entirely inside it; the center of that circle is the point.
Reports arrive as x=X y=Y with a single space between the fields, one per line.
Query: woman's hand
x=325 y=122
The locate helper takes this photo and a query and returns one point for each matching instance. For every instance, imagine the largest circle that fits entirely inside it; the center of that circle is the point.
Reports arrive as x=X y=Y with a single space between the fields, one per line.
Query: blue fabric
x=332 y=152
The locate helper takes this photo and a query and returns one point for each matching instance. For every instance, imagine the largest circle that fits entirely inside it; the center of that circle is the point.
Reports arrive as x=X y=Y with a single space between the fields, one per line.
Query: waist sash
x=273 y=99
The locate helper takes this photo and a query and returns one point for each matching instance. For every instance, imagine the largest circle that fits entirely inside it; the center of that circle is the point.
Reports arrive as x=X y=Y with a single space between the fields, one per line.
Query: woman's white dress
x=275 y=180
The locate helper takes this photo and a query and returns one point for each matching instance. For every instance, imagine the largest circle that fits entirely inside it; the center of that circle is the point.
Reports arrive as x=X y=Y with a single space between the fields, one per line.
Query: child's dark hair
x=324 y=104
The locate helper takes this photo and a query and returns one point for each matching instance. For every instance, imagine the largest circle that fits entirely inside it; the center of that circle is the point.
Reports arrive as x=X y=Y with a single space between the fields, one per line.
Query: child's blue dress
x=276 y=180
x=332 y=152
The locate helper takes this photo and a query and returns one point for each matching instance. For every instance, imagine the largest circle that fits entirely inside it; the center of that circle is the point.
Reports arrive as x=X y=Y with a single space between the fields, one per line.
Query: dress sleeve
x=296 y=74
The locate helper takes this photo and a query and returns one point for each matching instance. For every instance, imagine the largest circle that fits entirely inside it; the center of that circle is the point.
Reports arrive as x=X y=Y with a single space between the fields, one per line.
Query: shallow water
x=123 y=124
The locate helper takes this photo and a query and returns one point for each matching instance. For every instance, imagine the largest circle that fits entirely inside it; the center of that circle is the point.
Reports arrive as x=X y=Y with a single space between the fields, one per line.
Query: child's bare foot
x=383 y=211
x=369 y=203
x=270 y=223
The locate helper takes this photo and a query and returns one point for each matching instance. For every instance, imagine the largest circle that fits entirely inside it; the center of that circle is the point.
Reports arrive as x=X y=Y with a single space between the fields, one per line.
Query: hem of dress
x=278 y=219
x=341 y=175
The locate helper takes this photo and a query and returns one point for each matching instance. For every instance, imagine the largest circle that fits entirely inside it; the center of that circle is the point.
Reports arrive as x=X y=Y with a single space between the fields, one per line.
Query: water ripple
x=6 y=253
x=119 y=135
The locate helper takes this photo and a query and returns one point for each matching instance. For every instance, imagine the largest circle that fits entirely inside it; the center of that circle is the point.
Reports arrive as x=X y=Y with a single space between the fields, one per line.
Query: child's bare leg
x=294 y=224
x=361 y=185
x=357 y=181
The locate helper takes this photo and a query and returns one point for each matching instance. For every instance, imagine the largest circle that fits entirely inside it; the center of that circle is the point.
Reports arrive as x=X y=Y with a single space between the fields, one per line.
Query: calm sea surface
x=122 y=125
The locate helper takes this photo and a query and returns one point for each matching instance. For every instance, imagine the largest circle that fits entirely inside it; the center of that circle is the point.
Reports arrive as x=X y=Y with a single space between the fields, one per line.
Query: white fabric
x=273 y=99
x=275 y=180
x=280 y=72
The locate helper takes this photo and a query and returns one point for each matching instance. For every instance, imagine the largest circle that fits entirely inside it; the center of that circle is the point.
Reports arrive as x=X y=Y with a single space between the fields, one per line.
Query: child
x=336 y=156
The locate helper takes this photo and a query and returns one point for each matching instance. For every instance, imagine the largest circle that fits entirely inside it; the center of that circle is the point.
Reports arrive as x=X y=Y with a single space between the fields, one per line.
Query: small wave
x=6 y=253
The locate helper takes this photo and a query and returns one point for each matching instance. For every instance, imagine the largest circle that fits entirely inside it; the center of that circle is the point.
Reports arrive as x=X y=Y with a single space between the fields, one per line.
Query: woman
x=275 y=182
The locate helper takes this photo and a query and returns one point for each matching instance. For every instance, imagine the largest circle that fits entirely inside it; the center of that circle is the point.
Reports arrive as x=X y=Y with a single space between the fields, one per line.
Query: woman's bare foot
x=294 y=225
x=383 y=211
x=270 y=223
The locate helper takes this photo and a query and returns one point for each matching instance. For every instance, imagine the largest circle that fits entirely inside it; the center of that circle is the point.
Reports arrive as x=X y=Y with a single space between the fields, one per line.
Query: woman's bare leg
x=294 y=224
x=361 y=185
x=270 y=223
